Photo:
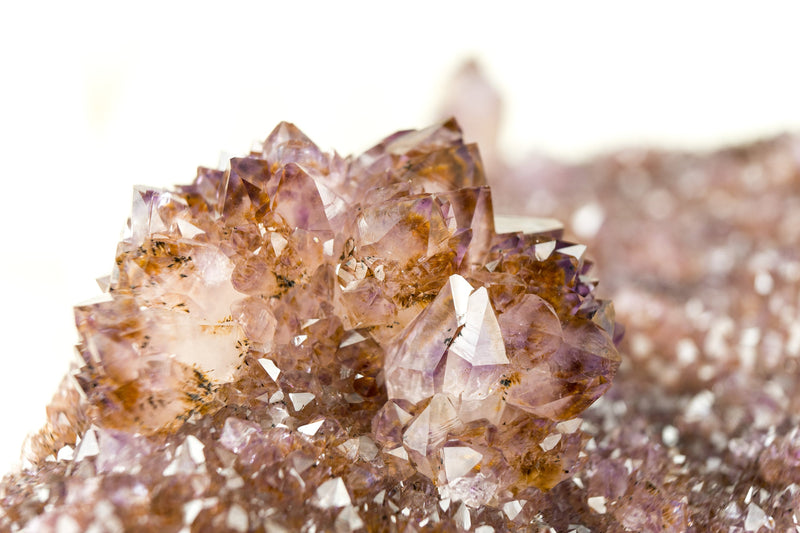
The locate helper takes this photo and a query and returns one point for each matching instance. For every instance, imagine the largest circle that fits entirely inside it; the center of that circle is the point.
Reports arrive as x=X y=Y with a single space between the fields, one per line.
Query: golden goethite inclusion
x=306 y=342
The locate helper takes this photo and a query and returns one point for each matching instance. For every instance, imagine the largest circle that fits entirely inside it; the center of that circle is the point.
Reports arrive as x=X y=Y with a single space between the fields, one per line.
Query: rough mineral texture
x=305 y=342
x=701 y=254
x=699 y=432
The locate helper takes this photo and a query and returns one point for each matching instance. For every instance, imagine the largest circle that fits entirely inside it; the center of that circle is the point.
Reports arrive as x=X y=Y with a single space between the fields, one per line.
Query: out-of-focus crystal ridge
x=306 y=342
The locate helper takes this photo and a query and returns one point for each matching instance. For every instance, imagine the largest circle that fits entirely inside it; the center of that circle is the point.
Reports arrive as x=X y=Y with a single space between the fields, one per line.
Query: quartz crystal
x=306 y=342
x=701 y=255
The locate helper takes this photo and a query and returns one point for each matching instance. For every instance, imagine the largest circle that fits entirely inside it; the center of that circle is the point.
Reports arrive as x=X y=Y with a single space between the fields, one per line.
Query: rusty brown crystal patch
x=311 y=342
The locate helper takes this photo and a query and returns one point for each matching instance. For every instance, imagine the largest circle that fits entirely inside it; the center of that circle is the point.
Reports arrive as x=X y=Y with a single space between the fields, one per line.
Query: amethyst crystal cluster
x=305 y=342
x=700 y=254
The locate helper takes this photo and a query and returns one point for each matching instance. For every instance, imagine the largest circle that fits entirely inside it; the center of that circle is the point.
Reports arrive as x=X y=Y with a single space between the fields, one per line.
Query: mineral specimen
x=305 y=342
x=699 y=251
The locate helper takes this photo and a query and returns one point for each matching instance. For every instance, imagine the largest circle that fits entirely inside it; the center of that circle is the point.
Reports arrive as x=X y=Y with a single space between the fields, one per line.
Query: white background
x=97 y=97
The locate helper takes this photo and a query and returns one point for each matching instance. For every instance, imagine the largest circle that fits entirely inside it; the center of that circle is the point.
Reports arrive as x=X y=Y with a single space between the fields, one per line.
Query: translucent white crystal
x=332 y=493
x=353 y=338
x=513 y=508
x=416 y=436
x=459 y=460
x=462 y=517
x=756 y=518
x=597 y=504
x=88 y=446
x=480 y=341
x=278 y=243
x=550 y=441
x=300 y=399
x=312 y=428
x=237 y=518
x=348 y=520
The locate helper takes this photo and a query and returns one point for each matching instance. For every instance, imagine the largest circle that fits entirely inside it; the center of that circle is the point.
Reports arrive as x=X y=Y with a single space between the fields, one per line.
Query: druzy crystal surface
x=306 y=342
x=700 y=253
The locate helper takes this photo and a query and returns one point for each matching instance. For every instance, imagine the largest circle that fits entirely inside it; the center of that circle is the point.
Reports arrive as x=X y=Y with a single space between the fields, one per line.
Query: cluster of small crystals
x=305 y=342
x=711 y=303
x=701 y=255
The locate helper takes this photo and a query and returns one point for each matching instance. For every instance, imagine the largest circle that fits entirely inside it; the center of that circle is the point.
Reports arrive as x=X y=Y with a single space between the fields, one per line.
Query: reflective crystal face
x=305 y=339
